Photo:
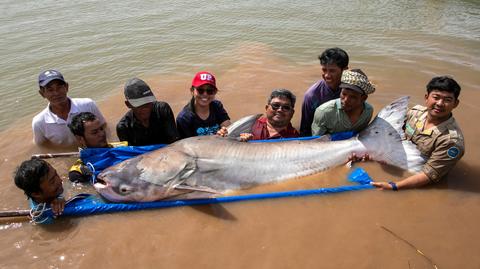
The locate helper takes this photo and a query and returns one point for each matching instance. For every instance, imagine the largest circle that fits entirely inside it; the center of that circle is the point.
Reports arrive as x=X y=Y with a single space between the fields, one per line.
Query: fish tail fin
x=384 y=138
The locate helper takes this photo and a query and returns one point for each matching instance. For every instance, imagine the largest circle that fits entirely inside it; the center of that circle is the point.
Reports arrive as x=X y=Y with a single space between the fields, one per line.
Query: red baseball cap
x=202 y=78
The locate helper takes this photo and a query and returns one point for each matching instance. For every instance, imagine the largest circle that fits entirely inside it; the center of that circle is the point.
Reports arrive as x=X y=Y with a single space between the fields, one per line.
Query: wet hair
x=77 y=125
x=334 y=56
x=444 y=83
x=28 y=174
x=282 y=93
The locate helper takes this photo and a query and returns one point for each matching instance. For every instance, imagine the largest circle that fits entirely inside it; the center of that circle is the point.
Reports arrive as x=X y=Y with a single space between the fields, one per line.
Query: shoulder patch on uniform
x=453 y=133
x=453 y=152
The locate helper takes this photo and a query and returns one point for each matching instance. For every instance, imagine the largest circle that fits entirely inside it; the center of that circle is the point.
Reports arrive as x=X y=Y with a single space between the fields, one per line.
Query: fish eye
x=124 y=189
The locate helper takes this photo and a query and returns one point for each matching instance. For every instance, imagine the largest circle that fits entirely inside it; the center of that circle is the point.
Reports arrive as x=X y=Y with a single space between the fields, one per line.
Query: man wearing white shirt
x=50 y=127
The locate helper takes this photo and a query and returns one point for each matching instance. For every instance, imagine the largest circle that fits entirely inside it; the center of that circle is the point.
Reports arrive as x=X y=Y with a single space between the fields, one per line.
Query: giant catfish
x=205 y=165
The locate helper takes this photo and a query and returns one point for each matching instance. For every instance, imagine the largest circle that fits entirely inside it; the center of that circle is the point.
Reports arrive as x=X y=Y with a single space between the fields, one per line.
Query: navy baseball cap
x=138 y=93
x=49 y=75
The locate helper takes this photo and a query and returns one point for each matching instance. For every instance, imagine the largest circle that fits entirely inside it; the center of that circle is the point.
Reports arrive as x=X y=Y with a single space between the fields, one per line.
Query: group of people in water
x=335 y=103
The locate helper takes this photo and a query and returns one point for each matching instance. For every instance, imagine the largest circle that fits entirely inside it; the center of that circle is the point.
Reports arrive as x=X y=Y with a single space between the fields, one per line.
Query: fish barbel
x=203 y=166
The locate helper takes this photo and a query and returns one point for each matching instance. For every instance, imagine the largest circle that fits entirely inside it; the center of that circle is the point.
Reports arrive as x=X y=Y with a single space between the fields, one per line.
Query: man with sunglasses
x=148 y=121
x=350 y=112
x=276 y=122
x=203 y=115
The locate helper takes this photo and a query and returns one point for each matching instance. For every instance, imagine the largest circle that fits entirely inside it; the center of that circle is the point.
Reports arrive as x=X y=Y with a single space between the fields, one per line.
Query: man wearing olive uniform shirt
x=433 y=129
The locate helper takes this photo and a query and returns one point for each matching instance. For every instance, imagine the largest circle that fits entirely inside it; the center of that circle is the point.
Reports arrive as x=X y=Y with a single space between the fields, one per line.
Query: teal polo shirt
x=330 y=118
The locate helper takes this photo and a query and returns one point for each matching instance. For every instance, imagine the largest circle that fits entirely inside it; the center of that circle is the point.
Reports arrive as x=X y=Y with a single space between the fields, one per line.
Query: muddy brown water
x=331 y=231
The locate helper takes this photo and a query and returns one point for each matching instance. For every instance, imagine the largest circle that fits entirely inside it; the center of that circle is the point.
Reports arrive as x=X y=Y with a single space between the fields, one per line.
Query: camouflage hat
x=356 y=80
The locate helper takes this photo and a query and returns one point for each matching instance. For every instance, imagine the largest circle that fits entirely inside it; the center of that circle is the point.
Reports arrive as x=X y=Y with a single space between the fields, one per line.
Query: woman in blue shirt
x=203 y=115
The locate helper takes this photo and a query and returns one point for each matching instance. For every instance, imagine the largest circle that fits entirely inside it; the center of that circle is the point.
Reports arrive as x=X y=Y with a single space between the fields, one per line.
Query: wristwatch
x=394 y=186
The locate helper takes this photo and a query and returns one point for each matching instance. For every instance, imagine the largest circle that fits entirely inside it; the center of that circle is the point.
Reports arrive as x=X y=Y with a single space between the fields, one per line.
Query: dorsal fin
x=243 y=125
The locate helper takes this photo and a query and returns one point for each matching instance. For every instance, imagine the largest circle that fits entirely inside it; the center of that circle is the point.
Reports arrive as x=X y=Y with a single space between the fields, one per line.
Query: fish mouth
x=105 y=190
x=100 y=184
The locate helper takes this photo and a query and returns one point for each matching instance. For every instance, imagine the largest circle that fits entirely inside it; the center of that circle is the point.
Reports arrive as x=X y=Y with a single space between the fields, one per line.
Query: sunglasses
x=276 y=106
x=209 y=91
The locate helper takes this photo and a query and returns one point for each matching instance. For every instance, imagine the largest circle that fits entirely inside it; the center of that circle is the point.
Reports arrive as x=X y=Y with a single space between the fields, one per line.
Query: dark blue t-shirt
x=190 y=124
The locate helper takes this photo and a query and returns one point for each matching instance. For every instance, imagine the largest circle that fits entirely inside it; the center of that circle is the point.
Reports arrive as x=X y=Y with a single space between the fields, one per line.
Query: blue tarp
x=87 y=204
x=101 y=158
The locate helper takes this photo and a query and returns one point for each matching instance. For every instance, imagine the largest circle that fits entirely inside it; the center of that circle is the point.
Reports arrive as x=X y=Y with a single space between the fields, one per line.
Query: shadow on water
x=392 y=170
x=216 y=210
x=463 y=177
x=61 y=225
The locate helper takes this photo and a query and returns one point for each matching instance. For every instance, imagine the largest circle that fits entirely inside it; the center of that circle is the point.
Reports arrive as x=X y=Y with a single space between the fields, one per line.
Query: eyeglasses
x=209 y=91
x=276 y=106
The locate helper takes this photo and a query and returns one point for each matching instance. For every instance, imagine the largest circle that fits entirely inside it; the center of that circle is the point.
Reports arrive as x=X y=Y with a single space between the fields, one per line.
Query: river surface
x=252 y=47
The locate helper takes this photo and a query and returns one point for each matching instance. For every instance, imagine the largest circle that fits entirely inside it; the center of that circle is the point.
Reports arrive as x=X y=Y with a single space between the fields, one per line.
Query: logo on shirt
x=210 y=130
x=409 y=129
x=453 y=152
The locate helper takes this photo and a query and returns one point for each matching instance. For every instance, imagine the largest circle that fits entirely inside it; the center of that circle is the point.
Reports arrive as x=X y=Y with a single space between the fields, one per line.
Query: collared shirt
x=442 y=144
x=315 y=96
x=260 y=130
x=161 y=128
x=190 y=124
x=47 y=126
x=331 y=118
x=79 y=172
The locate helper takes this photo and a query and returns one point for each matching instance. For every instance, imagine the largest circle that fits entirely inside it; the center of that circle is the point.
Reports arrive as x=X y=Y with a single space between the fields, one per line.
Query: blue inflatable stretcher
x=101 y=158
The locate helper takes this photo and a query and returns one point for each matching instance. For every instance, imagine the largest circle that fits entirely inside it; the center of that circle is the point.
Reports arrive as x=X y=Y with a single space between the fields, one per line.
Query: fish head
x=155 y=176
x=123 y=183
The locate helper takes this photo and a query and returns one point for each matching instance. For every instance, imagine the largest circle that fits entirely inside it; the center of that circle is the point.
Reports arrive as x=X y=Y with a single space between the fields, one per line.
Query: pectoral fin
x=196 y=188
x=168 y=168
x=185 y=192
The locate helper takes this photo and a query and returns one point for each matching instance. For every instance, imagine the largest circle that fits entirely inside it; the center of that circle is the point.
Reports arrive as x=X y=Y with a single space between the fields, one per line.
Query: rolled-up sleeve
x=443 y=159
